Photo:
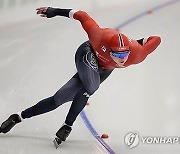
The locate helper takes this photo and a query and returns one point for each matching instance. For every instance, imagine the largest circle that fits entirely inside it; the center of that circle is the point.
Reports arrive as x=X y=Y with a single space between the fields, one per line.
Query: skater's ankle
x=67 y=123
x=20 y=116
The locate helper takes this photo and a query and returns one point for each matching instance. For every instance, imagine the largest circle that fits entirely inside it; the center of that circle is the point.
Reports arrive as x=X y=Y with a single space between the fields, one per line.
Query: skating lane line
x=94 y=133
x=156 y=8
x=83 y=114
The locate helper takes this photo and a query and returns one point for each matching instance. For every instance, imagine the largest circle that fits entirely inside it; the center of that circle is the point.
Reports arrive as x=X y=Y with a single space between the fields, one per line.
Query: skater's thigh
x=87 y=67
x=89 y=77
x=67 y=92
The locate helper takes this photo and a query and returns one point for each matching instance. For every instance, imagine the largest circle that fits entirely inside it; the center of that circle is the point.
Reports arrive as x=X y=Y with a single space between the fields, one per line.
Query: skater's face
x=119 y=61
x=120 y=57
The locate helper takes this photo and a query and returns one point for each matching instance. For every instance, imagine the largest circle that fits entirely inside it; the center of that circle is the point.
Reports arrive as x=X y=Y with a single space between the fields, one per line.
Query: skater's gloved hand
x=47 y=12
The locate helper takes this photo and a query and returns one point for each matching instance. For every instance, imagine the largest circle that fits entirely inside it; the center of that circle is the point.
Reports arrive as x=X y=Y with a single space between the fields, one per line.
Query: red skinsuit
x=100 y=37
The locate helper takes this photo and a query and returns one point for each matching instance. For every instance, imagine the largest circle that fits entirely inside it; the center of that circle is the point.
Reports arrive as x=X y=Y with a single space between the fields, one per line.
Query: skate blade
x=57 y=143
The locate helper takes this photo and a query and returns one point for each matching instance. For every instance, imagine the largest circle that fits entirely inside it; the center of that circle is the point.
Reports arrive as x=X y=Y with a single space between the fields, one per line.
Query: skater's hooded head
x=119 y=46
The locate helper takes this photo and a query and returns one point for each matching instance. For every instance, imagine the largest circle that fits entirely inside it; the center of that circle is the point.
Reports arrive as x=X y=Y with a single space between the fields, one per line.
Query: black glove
x=50 y=12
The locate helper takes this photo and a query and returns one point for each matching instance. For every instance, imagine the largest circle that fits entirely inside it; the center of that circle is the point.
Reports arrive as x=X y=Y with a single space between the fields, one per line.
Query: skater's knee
x=57 y=100
x=91 y=89
x=60 y=99
x=66 y=93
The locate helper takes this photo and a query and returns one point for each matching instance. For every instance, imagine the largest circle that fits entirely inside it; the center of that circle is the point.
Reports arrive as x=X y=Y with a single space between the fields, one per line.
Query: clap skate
x=10 y=123
x=62 y=134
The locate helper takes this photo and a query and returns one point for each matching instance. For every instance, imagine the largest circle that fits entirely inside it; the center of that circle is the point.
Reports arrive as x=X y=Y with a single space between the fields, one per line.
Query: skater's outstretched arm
x=86 y=21
x=149 y=44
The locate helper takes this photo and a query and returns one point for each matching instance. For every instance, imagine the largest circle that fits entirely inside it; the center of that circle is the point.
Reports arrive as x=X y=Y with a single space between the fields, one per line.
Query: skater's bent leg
x=63 y=95
x=91 y=81
x=87 y=67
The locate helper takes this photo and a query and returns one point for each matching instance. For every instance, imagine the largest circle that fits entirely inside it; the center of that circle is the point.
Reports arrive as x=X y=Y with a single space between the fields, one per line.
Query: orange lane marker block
x=104 y=136
x=150 y=12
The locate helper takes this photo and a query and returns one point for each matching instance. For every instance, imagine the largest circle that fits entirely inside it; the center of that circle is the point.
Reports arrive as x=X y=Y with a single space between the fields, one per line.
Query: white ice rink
x=37 y=58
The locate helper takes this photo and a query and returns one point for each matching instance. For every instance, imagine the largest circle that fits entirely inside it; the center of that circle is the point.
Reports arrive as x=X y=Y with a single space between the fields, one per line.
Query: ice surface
x=37 y=58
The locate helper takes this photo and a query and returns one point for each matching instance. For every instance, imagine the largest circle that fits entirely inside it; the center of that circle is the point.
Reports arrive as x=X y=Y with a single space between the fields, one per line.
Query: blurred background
x=37 y=58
